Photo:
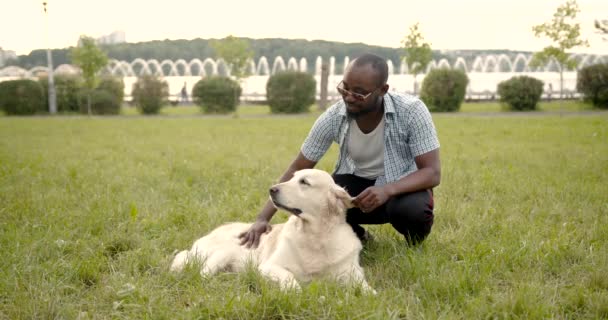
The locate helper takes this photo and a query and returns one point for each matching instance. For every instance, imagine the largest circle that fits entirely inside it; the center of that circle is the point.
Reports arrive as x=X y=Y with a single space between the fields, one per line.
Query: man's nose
x=349 y=98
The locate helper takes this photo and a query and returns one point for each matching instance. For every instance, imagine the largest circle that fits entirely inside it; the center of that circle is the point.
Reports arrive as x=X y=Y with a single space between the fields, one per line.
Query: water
x=485 y=72
x=481 y=84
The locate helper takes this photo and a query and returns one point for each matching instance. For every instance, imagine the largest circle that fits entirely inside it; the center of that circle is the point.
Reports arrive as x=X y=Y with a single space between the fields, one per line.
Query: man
x=184 y=94
x=389 y=155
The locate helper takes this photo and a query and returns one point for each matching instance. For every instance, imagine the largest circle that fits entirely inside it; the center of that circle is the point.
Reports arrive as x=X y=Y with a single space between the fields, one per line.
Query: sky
x=445 y=24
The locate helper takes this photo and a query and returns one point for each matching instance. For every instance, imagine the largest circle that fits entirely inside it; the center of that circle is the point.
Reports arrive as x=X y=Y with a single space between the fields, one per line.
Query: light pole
x=49 y=59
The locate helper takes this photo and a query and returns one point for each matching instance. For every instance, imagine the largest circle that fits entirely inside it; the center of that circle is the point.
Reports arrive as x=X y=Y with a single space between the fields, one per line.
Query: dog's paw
x=368 y=290
x=179 y=261
x=290 y=285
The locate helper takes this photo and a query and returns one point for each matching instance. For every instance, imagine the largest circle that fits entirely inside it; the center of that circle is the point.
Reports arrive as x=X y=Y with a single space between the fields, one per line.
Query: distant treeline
x=269 y=48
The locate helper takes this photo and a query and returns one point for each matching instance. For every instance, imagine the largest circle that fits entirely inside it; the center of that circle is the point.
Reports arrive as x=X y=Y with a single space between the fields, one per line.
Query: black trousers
x=411 y=214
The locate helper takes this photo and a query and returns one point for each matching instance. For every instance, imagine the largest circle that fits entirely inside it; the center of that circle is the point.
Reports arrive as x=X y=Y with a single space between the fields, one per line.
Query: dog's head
x=311 y=194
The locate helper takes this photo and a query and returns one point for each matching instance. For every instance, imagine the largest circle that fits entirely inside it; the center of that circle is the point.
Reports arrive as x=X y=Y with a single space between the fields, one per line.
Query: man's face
x=362 y=80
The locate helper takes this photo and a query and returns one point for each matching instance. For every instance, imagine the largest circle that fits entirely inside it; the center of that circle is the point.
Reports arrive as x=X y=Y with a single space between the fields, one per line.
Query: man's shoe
x=367 y=237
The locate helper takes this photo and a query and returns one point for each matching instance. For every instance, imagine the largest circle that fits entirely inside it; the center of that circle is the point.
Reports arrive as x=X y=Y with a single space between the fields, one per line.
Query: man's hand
x=371 y=198
x=251 y=237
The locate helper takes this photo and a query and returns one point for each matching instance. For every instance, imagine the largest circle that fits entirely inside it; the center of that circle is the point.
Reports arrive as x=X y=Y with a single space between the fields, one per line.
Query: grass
x=262 y=110
x=467 y=107
x=552 y=106
x=193 y=110
x=92 y=210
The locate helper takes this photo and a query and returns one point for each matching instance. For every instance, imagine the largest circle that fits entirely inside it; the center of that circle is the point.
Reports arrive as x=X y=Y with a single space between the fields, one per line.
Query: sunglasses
x=357 y=96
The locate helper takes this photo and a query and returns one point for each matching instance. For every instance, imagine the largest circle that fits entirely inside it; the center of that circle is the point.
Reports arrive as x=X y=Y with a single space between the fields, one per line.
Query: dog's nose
x=274 y=190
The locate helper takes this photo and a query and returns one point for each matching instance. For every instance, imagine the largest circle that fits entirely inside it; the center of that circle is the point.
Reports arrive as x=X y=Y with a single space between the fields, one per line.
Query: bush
x=150 y=94
x=67 y=91
x=444 y=89
x=520 y=93
x=22 y=97
x=113 y=85
x=216 y=94
x=592 y=82
x=290 y=92
x=102 y=103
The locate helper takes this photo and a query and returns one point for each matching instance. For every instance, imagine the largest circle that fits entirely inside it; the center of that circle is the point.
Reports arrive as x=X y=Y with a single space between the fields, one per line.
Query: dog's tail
x=180 y=260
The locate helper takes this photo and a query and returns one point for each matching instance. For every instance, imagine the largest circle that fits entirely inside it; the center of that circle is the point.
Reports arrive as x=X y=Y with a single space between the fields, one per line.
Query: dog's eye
x=304 y=182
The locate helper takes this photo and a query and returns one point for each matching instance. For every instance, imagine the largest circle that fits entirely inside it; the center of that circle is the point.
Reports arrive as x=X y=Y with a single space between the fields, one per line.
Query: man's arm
x=427 y=176
x=251 y=237
x=315 y=145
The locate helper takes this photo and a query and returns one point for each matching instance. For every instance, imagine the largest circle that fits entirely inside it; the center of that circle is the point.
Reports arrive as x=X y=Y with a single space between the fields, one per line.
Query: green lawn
x=554 y=106
x=467 y=107
x=92 y=210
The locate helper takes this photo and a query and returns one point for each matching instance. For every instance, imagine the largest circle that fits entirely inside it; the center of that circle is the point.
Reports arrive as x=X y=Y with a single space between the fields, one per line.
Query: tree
x=417 y=53
x=565 y=34
x=236 y=54
x=90 y=59
x=602 y=27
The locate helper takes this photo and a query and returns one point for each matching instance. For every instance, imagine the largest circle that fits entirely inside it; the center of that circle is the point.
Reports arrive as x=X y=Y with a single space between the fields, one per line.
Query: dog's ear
x=340 y=200
x=343 y=196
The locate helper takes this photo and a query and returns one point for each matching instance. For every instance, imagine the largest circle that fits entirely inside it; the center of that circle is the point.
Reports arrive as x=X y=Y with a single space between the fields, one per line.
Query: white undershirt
x=367 y=150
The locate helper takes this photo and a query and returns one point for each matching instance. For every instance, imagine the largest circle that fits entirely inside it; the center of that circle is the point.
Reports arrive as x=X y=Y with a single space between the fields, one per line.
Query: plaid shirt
x=409 y=132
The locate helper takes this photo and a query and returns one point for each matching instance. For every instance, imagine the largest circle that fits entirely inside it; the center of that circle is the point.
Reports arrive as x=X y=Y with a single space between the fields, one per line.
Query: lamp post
x=49 y=59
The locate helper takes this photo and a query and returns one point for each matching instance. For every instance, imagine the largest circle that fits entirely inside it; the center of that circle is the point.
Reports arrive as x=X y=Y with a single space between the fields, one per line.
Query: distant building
x=6 y=55
x=112 y=38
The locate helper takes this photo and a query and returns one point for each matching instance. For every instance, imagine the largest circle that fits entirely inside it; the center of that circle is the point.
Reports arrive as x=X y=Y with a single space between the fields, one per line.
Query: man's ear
x=385 y=88
x=342 y=196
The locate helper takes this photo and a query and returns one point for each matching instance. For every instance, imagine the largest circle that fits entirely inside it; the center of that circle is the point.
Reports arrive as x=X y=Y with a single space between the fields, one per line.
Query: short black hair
x=378 y=63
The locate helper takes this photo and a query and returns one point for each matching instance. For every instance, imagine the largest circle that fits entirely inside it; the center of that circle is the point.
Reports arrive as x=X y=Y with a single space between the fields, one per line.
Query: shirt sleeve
x=423 y=136
x=319 y=138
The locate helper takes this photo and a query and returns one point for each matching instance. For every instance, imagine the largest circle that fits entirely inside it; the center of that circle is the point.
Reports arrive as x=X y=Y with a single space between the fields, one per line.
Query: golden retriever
x=315 y=242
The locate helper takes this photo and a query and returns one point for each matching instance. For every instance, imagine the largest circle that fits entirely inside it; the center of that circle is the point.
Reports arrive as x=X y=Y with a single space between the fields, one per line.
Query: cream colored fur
x=315 y=242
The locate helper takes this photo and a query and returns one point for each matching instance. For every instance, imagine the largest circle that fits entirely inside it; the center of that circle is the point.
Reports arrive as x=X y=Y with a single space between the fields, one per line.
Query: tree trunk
x=561 y=84
x=89 y=103
x=323 y=85
x=561 y=88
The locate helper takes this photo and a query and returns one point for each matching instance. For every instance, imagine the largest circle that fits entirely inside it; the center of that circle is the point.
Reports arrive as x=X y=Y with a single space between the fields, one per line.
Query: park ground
x=92 y=210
